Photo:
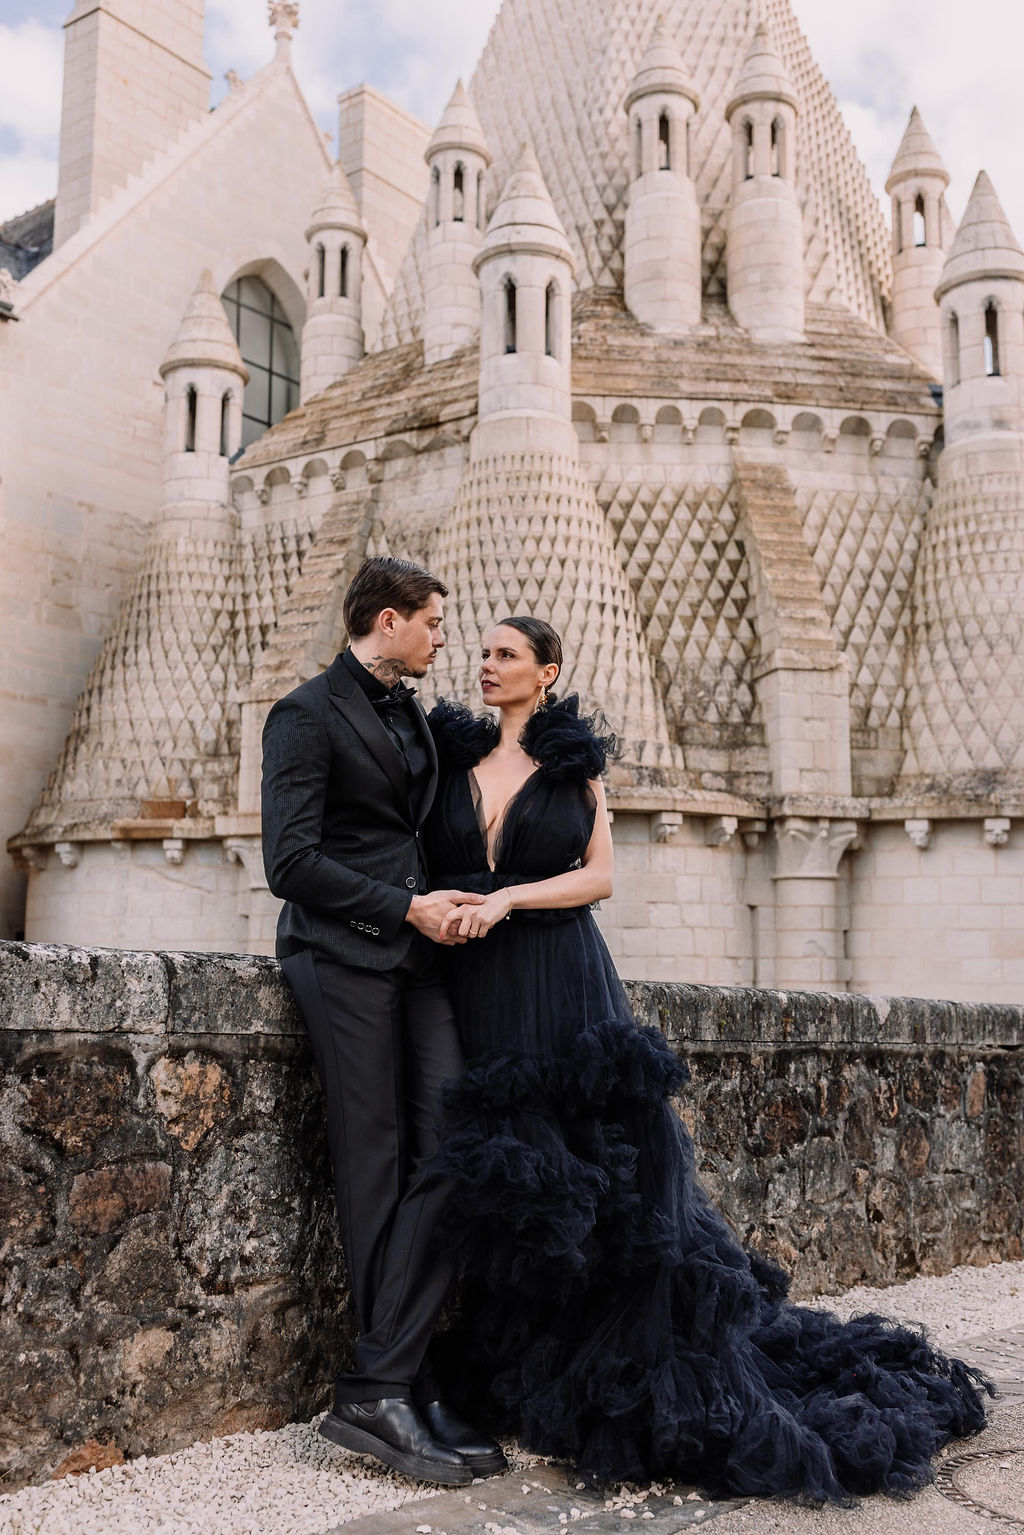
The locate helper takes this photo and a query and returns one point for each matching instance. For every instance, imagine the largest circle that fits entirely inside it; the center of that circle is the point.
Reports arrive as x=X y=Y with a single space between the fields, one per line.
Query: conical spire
x=985 y=245
x=917 y=155
x=459 y=127
x=204 y=338
x=763 y=75
x=662 y=69
x=526 y=214
x=337 y=207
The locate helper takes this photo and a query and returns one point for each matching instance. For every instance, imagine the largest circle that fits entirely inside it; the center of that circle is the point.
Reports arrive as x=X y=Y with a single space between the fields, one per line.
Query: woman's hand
x=476 y=921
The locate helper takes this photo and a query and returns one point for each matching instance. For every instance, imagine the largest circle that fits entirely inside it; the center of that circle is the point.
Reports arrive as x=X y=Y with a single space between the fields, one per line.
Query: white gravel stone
x=292 y=1482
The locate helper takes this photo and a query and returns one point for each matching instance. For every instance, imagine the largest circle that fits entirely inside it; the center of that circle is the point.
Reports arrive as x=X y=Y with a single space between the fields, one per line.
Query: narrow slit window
x=191 y=411
x=991 y=340
x=459 y=195
x=748 y=150
x=435 y=196
x=664 y=143
x=920 y=234
x=953 y=346
x=897 y=224
x=689 y=147
x=510 y=315
x=638 y=147
x=551 y=319
x=479 y=199
x=321 y=271
x=777 y=132
x=225 y=423
x=343 y=273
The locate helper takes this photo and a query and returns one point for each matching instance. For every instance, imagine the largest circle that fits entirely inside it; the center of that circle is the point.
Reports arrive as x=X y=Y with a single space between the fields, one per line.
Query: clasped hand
x=475 y=921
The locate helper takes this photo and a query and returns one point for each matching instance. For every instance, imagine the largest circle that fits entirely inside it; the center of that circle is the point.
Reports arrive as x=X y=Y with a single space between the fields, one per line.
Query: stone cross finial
x=283 y=16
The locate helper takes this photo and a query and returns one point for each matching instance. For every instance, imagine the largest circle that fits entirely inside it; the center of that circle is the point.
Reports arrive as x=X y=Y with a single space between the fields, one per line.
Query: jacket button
x=410 y=883
x=375 y=931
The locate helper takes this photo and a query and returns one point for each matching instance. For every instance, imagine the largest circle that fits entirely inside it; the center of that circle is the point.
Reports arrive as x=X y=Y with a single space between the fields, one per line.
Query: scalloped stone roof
x=916 y=155
x=204 y=336
x=662 y=68
x=459 y=127
x=763 y=75
x=985 y=244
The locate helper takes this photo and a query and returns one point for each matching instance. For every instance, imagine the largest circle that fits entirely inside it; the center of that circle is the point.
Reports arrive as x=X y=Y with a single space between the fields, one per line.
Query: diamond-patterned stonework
x=966 y=674
x=557 y=72
x=526 y=535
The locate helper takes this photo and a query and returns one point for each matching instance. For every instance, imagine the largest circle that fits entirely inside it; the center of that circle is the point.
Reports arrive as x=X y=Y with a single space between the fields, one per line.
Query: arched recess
x=757 y=427
x=625 y=425
x=316 y=469
x=901 y=440
x=353 y=466
x=668 y=424
x=854 y=434
x=584 y=419
x=806 y=430
x=711 y=425
x=279 y=475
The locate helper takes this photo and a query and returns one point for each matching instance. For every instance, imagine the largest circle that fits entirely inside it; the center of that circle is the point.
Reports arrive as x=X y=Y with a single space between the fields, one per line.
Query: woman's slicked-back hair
x=384 y=582
x=544 y=641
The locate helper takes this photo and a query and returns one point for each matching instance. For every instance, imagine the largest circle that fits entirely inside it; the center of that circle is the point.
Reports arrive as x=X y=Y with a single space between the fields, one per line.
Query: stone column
x=808 y=920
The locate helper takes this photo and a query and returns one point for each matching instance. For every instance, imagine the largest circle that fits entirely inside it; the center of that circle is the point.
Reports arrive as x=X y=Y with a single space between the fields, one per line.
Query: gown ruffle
x=608 y=1314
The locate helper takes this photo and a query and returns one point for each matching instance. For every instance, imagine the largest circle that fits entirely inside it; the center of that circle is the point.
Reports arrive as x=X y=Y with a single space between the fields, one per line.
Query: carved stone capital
x=829 y=440
x=338 y=479
x=301 y=485
x=247 y=851
x=919 y=831
x=602 y=429
x=69 y=853
x=780 y=436
x=174 y=850
x=646 y=431
x=664 y=824
x=732 y=433
x=811 y=849
x=752 y=832
x=997 y=830
x=876 y=445
x=690 y=430
x=720 y=830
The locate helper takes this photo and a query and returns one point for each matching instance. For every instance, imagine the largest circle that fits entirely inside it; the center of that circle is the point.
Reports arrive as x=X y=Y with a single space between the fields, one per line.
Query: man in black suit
x=349 y=773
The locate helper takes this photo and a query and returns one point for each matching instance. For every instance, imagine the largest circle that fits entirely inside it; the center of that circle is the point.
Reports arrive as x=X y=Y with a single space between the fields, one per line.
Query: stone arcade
x=626 y=343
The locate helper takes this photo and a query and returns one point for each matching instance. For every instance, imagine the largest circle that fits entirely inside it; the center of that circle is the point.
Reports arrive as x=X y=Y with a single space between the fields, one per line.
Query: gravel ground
x=292 y=1482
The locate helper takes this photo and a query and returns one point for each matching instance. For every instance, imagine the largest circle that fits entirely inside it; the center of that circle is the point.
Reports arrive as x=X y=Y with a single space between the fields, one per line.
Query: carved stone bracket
x=732 y=433
x=752 y=832
x=602 y=429
x=876 y=445
x=301 y=485
x=263 y=495
x=811 y=849
x=720 y=830
x=690 y=431
x=919 y=831
x=829 y=440
x=374 y=471
x=646 y=431
x=997 y=830
x=69 y=853
x=664 y=824
x=174 y=850
x=247 y=851
x=780 y=436
x=34 y=856
x=120 y=847
x=338 y=479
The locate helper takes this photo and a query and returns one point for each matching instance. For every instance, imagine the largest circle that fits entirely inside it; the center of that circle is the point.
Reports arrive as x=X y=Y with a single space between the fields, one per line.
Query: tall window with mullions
x=267 y=344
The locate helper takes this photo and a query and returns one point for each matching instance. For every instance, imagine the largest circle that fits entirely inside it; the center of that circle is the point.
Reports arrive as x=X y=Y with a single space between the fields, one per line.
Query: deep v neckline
x=477 y=796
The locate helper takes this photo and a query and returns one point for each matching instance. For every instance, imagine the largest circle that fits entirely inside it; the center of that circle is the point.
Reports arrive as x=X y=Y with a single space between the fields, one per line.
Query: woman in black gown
x=608 y=1314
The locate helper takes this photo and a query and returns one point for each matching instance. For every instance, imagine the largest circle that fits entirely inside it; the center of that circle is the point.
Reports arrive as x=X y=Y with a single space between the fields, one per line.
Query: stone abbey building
x=626 y=342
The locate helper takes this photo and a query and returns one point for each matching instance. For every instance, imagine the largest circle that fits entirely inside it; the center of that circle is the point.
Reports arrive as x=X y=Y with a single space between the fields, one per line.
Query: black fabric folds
x=608 y=1313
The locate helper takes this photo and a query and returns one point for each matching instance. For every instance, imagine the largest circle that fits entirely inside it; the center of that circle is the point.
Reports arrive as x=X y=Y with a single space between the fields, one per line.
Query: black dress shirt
x=394 y=707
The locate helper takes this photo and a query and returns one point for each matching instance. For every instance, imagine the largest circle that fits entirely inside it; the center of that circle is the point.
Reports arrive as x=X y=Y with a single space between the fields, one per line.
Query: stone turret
x=920 y=225
x=332 y=337
x=525 y=265
x=662 y=238
x=458 y=157
x=764 y=237
x=204 y=377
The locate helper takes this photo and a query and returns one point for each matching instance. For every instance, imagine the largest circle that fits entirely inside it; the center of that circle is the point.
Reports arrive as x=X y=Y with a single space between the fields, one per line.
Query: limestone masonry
x=626 y=342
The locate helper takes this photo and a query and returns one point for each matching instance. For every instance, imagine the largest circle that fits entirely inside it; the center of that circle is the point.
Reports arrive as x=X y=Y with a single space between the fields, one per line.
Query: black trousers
x=384 y=1042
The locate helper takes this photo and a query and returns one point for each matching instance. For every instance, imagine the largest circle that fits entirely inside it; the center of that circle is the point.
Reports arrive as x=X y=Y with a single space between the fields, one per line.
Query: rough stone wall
x=169 y=1265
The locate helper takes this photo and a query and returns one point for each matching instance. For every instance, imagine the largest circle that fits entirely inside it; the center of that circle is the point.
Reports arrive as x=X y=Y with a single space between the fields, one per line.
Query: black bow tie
x=399 y=694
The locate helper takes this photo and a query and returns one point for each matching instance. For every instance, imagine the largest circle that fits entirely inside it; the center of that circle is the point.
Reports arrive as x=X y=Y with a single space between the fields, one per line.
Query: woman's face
x=509 y=671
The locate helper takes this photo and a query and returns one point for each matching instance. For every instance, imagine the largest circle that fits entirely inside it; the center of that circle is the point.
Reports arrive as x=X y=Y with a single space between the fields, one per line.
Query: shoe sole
x=416 y=1466
x=490 y=1466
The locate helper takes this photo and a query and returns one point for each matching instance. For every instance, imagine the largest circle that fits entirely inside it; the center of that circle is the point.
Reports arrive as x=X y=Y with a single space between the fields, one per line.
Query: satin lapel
x=354 y=706
x=427 y=797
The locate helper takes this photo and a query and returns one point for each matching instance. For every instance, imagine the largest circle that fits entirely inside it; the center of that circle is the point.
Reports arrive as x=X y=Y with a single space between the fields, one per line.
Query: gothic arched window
x=435 y=196
x=778 y=131
x=321 y=271
x=991 y=340
x=551 y=319
x=191 y=412
x=664 y=143
x=343 y=273
x=510 y=314
x=459 y=194
x=920 y=232
x=267 y=344
x=747 y=148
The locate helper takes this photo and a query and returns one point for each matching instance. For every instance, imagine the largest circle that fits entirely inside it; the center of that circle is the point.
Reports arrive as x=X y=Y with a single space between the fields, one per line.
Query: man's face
x=417 y=639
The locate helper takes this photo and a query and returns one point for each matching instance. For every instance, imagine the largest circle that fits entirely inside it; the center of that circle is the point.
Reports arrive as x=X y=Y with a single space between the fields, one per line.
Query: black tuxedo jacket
x=340 y=840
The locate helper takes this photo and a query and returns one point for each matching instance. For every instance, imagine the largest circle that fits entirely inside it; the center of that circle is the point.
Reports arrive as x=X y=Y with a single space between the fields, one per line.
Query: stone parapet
x=170 y=1262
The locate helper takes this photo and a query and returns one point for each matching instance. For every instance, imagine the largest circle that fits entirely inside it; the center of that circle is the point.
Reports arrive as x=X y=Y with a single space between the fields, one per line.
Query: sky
x=959 y=61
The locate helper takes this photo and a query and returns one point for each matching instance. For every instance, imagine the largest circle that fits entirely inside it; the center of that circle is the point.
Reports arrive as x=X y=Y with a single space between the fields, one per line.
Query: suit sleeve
x=296 y=768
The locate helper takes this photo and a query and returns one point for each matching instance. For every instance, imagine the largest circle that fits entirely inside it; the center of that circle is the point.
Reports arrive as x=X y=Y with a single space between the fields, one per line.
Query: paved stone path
x=987 y=1485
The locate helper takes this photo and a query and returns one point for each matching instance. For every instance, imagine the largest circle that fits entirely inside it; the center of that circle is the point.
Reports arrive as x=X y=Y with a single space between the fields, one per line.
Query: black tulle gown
x=609 y=1315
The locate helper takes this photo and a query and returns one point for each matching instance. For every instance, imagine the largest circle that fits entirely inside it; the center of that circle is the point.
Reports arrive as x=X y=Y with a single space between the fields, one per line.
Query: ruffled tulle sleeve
x=568 y=747
x=460 y=736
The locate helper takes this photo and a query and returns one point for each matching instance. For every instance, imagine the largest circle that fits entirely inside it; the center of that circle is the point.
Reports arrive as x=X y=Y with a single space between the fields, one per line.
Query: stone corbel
x=120 y=847
x=664 y=824
x=811 y=849
x=34 y=856
x=263 y=495
x=829 y=440
x=174 y=850
x=646 y=431
x=997 y=830
x=69 y=853
x=732 y=433
x=374 y=471
x=780 y=436
x=752 y=832
x=301 y=486
x=924 y=446
x=876 y=445
x=720 y=830
x=602 y=429
x=690 y=431
x=338 y=479
x=919 y=831
x=247 y=851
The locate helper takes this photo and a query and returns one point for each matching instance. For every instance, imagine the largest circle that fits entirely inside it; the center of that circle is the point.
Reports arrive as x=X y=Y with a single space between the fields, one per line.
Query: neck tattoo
x=387 y=669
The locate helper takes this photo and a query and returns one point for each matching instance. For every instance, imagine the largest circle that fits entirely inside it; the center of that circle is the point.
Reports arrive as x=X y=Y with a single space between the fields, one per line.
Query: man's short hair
x=384 y=582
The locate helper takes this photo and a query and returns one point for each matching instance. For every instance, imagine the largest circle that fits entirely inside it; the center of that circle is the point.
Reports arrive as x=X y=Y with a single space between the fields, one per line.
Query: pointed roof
x=985 y=245
x=661 y=69
x=459 y=127
x=336 y=208
x=525 y=218
x=917 y=155
x=763 y=75
x=204 y=337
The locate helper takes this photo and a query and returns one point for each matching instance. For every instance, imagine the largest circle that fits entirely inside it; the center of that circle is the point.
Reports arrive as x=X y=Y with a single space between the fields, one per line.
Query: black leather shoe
x=479 y=1452
x=395 y=1432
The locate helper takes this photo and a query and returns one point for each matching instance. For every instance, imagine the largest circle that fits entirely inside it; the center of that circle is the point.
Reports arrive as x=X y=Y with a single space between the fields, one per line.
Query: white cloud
x=30 y=82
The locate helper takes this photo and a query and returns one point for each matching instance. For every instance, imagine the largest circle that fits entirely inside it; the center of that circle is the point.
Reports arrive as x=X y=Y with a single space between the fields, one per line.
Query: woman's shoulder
x=460 y=736
x=567 y=746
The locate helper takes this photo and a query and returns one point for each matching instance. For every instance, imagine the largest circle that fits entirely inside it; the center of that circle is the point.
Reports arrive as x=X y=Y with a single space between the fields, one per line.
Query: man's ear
x=386 y=619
